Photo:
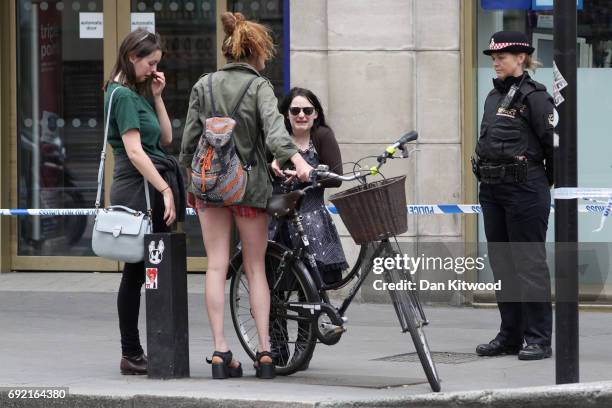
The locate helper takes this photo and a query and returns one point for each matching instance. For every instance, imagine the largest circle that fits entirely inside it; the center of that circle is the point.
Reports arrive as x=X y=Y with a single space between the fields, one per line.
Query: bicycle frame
x=303 y=253
x=361 y=269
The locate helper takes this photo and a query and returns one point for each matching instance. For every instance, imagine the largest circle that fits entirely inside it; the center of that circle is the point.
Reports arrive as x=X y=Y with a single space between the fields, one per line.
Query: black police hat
x=509 y=41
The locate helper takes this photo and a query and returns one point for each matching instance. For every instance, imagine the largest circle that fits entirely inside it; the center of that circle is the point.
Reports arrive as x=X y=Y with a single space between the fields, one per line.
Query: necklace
x=303 y=144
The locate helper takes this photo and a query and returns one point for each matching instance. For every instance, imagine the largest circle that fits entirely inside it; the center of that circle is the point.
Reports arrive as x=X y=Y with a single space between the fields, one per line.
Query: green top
x=132 y=111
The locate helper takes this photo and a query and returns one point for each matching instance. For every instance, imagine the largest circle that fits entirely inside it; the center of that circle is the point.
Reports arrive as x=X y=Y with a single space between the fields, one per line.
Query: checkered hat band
x=499 y=46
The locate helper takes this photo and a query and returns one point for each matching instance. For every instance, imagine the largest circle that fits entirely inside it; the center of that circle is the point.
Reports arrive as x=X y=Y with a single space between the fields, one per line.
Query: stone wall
x=381 y=69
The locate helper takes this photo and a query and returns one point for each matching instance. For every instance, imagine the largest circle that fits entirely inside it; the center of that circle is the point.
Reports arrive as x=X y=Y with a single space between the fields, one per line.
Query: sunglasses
x=307 y=111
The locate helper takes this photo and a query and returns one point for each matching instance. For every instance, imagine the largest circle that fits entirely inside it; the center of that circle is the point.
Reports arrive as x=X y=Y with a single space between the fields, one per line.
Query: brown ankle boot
x=136 y=365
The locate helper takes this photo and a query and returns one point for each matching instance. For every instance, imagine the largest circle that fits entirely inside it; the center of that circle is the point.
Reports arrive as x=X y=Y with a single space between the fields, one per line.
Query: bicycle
x=300 y=310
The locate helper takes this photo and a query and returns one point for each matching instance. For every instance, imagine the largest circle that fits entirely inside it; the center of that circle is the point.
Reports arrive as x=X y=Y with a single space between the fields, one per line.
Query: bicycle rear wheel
x=292 y=337
x=410 y=320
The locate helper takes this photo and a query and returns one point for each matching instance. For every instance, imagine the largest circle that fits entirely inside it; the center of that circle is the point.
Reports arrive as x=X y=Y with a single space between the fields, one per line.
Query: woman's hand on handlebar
x=290 y=176
x=302 y=168
x=276 y=169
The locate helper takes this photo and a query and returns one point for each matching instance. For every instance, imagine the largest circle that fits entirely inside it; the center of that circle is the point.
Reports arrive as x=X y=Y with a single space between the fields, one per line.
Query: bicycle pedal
x=328 y=327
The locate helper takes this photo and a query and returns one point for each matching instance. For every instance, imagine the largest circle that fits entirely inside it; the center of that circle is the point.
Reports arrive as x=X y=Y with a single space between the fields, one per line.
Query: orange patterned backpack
x=217 y=173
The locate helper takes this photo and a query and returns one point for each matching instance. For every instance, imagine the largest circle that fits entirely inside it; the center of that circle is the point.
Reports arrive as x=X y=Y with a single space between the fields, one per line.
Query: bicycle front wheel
x=292 y=337
x=410 y=320
x=422 y=349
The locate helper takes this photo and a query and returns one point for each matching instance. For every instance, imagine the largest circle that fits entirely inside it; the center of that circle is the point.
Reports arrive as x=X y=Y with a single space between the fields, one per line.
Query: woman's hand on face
x=158 y=84
x=170 y=210
x=276 y=169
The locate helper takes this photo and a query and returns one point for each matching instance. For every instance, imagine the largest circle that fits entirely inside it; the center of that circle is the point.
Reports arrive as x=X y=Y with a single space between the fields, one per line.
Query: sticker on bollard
x=166 y=300
x=151 y=282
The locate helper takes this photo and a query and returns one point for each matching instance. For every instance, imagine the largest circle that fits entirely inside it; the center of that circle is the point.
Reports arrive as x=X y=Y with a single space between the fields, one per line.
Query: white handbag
x=118 y=232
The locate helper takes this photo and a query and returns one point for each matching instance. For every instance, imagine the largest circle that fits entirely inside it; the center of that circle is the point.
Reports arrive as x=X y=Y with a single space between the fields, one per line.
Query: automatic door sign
x=151 y=282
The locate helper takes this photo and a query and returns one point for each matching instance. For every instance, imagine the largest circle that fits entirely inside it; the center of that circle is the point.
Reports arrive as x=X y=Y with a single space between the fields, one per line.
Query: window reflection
x=269 y=13
x=59 y=131
x=594 y=85
x=594 y=32
x=188 y=31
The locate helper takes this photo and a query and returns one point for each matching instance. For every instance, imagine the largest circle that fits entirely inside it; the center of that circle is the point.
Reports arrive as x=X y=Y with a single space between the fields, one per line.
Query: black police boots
x=535 y=352
x=496 y=348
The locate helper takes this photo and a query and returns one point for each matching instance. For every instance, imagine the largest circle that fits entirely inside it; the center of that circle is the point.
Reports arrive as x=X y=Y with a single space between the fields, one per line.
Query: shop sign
x=522 y=4
x=505 y=4
x=549 y=4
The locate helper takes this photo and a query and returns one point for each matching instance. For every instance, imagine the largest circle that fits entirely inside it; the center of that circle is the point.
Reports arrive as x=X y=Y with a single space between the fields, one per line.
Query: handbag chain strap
x=103 y=159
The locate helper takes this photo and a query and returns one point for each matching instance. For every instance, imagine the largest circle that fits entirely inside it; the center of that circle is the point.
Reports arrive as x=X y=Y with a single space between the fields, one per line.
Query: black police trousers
x=515 y=221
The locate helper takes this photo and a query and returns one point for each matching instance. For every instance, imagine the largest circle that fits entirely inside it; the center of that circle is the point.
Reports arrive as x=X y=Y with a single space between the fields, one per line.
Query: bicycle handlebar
x=322 y=171
x=408 y=137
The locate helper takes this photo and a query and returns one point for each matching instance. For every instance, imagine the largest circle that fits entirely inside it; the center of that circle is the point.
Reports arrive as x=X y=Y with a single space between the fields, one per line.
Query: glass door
x=64 y=51
x=269 y=13
x=189 y=37
x=59 y=113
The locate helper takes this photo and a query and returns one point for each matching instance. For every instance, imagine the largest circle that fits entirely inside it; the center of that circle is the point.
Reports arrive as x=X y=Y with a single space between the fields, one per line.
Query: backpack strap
x=213 y=108
x=212 y=98
x=244 y=91
x=248 y=165
x=214 y=112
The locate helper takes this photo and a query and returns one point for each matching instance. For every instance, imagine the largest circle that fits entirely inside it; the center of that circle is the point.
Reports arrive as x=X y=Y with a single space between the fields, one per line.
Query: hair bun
x=229 y=21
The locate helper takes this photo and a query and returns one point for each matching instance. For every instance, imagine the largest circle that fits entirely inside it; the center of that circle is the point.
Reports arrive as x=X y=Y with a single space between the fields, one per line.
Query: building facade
x=380 y=68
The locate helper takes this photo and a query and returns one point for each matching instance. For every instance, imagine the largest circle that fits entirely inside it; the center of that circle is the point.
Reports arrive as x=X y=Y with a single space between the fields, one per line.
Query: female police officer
x=514 y=165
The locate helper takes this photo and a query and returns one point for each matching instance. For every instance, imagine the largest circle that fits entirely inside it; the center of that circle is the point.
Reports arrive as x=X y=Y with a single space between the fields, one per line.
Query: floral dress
x=318 y=225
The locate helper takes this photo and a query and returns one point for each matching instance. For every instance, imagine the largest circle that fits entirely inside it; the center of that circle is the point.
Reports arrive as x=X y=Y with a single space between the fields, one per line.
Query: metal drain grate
x=439 y=357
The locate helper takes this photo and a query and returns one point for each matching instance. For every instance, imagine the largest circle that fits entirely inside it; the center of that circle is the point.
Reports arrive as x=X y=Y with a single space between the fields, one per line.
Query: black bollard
x=567 y=361
x=166 y=299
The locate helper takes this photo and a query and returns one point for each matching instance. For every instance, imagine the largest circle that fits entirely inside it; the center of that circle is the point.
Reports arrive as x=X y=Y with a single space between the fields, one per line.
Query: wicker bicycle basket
x=373 y=211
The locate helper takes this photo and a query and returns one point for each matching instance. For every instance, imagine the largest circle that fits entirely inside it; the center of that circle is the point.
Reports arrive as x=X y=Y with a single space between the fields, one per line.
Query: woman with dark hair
x=305 y=121
x=311 y=99
x=138 y=127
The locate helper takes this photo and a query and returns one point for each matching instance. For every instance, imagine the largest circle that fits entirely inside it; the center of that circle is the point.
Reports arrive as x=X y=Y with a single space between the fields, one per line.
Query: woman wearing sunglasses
x=305 y=121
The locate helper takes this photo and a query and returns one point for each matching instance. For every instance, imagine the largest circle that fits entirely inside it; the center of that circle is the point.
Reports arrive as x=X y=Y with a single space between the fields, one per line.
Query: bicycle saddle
x=281 y=205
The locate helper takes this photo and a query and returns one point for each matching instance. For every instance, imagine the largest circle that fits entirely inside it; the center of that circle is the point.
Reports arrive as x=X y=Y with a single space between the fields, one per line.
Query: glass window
x=594 y=32
x=594 y=85
x=269 y=13
x=188 y=31
x=59 y=123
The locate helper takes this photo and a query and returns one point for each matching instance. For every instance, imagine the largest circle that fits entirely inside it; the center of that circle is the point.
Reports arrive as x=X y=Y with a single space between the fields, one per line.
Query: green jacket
x=259 y=124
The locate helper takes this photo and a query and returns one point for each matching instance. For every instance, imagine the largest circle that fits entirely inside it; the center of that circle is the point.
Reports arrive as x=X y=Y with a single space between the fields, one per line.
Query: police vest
x=504 y=134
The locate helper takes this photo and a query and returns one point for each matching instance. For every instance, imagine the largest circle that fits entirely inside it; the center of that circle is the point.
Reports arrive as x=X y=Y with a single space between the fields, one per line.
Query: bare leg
x=253 y=235
x=216 y=226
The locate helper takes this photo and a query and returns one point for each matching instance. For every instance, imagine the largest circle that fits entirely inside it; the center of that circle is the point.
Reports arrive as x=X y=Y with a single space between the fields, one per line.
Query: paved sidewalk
x=61 y=330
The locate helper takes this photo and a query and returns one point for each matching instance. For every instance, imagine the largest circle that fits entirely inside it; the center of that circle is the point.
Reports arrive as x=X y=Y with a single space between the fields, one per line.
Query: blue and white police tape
x=565 y=193
x=59 y=211
x=589 y=194
x=413 y=209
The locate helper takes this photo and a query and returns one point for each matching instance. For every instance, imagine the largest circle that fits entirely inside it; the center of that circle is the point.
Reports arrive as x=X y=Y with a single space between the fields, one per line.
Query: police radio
x=512 y=95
